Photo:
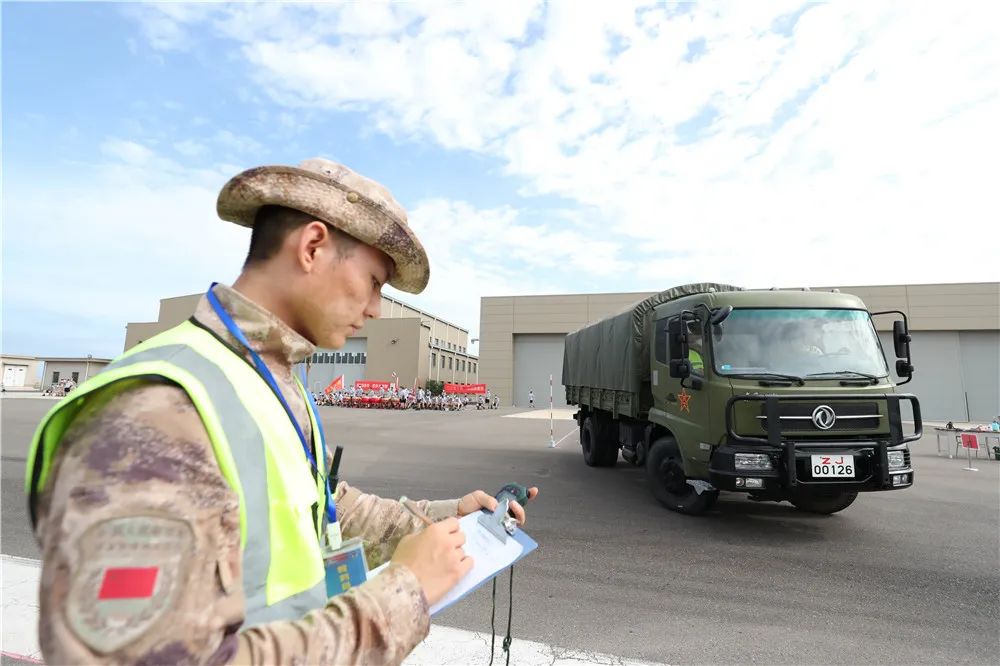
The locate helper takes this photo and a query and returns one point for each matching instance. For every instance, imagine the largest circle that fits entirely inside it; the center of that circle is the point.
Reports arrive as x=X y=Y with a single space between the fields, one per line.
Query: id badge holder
x=345 y=565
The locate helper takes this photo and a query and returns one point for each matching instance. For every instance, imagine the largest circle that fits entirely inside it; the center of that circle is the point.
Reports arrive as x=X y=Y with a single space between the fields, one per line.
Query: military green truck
x=784 y=395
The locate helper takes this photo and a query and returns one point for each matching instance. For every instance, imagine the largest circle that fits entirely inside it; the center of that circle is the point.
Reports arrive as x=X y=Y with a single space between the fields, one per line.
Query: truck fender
x=670 y=442
x=642 y=450
x=660 y=418
x=654 y=431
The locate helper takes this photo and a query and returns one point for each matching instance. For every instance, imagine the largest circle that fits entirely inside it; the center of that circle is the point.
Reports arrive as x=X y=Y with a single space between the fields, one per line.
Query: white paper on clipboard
x=488 y=554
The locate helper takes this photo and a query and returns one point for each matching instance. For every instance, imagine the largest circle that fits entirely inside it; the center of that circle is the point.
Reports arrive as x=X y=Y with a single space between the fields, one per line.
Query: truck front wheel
x=665 y=473
x=825 y=504
x=598 y=449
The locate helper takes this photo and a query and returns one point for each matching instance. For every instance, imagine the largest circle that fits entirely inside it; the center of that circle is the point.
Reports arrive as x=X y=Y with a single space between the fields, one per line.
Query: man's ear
x=310 y=244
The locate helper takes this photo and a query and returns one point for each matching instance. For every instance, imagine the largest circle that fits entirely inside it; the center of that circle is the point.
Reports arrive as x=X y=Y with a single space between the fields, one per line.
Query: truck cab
x=784 y=395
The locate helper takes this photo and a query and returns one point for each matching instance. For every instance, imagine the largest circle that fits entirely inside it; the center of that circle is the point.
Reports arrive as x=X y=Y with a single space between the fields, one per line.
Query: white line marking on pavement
x=573 y=431
x=557 y=414
x=20 y=607
x=445 y=646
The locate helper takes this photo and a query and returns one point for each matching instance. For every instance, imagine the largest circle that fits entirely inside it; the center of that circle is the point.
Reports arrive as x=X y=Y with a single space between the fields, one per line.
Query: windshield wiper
x=868 y=378
x=770 y=375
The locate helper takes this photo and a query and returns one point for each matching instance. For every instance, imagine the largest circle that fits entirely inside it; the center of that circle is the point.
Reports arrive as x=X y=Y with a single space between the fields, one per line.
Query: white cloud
x=189 y=148
x=139 y=226
x=165 y=25
x=127 y=151
x=223 y=144
x=858 y=146
x=100 y=242
x=862 y=130
x=236 y=142
x=492 y=252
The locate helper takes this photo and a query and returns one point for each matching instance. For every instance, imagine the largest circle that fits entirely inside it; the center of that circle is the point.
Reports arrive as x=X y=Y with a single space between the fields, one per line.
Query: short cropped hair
x=272 y=225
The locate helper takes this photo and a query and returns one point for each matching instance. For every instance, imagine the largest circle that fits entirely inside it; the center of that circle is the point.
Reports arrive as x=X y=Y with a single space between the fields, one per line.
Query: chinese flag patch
x=128 y=583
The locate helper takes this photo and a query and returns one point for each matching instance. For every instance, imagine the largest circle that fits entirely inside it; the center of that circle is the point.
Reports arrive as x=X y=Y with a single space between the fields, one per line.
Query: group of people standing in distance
x=406 y=398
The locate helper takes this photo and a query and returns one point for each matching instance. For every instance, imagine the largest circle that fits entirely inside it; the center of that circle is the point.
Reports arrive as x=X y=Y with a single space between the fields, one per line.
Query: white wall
x=85 y=370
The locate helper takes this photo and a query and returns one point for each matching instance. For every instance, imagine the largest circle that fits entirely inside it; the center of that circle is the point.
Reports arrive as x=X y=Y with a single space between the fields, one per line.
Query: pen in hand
x=435 y=554
x=411 y=507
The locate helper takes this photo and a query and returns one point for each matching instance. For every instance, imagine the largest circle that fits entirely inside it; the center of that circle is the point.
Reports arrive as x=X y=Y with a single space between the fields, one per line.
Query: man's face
x=344 y=291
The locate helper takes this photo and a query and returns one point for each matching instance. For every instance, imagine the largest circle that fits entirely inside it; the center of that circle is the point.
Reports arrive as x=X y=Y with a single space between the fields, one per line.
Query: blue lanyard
x=331 y=507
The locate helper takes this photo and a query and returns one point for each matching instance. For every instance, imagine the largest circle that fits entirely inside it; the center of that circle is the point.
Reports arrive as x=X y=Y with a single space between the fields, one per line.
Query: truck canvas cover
x=614 y=352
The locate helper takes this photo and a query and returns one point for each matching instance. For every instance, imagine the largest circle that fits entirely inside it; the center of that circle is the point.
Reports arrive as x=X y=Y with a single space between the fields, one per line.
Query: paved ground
x=902 y=577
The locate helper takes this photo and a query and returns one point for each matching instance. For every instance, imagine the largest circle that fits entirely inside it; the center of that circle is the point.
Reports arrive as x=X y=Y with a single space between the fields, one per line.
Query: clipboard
x=494 y=542
x=490 y=552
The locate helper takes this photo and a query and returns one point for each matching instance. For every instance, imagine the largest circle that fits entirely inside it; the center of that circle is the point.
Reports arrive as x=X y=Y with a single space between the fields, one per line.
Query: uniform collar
x=269 y=336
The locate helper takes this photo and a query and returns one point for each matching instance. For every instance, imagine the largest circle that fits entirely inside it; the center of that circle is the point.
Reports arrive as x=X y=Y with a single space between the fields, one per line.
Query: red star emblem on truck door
x=685 y=400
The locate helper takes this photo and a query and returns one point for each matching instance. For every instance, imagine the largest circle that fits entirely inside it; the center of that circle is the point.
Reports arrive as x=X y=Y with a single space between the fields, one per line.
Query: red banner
x=970 y=441
x=336 y=385
x=477 y=389
x=366 y=385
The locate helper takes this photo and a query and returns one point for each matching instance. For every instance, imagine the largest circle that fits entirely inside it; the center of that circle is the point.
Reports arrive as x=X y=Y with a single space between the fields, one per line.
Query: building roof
x=73 y=359
x=387 y=297
x=424 y=312
x=22 y=357
x=639 y=295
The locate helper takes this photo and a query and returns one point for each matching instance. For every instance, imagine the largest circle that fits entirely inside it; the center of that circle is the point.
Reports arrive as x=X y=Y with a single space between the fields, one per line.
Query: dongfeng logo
x=824 y=417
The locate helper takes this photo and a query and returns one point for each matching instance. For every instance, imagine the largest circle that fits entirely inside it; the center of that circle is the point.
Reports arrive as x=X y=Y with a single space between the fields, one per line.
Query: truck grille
x=798 y=416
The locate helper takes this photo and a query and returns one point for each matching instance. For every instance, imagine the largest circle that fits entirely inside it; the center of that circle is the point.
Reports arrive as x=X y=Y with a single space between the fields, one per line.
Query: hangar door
x=981 y=372
x=956 y=376
x=536 y=356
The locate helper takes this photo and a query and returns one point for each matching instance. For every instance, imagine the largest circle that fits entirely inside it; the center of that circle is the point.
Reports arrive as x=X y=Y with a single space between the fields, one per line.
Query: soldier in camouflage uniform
x=135 y=476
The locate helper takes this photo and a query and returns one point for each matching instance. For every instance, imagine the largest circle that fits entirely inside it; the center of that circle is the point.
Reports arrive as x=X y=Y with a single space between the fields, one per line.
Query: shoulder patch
x=130 y=574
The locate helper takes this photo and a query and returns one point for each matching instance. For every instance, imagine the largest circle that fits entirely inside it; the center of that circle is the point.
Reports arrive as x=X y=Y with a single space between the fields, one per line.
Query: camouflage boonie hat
x=338 y=196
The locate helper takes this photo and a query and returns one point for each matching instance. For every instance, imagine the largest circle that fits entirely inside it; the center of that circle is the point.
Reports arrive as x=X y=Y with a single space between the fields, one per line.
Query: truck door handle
x=671 y=397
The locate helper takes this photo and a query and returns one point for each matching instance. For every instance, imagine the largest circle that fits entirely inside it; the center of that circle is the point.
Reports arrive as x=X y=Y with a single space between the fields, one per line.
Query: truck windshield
x=799 y=342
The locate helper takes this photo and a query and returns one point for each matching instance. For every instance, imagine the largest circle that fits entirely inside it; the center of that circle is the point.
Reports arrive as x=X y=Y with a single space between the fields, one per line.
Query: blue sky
x=539 y=148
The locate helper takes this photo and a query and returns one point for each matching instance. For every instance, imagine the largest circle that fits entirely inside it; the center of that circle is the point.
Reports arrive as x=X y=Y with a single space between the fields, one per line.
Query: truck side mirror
x=901 y=344
x=680 y=366
x=901 y=339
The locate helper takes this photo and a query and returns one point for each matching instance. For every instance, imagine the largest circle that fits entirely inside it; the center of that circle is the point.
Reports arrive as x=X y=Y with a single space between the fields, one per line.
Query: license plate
x=833 y=466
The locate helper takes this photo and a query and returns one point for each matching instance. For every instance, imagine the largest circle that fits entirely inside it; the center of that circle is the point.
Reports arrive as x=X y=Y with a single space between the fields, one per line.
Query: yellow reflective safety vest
x=258 y=452
x=697 y=362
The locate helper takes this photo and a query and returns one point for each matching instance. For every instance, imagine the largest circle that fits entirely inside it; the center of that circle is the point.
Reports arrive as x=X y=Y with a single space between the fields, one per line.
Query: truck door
x=688 y=408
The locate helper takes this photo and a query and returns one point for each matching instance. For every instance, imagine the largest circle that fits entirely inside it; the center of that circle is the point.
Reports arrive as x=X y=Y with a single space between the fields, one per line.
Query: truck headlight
x=897 y=460
x=753 y=461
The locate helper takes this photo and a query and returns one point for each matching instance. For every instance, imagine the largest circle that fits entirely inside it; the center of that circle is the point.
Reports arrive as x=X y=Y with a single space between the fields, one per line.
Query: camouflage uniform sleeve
x=140 y=537
x=380 y=522
x=378 y=622
x=142 y=564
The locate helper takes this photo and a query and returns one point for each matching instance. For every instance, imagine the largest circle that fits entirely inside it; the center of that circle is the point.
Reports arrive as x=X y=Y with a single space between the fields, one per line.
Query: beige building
x=414 y=344
x=78 y=369
x=20 y=373
x=955 y=327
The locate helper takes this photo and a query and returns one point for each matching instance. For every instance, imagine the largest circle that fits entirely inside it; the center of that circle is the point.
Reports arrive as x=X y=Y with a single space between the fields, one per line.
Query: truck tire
x=665 y=473
x=824 y=504
x=598 y=449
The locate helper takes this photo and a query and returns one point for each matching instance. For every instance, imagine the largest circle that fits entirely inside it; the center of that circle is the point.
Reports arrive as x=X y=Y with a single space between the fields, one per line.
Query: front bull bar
x=774 y=436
